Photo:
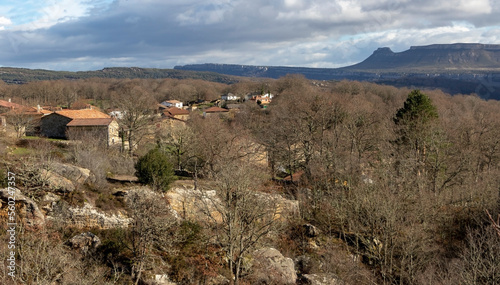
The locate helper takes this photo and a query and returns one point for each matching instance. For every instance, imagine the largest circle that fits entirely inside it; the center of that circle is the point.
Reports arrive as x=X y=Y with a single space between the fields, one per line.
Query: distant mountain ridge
x=14 y=75
x=438 y=57
x=463 y=68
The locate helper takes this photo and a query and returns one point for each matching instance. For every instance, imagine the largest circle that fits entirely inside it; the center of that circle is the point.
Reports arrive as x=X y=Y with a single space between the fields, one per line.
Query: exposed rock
x=84 y=242
x=311 y=231
x=162 y=279
x=285 y=207
x=304 y=264
x=269 y=266
x=73 y=173
x=123 y=179
x=120 y=193
x=218 y=280
x=320 y=279
x=26 y=209
x=193 y=204
x=49 y=201
x=87 y=217
x=372 y=246
x=51 y=197
x=57 y=182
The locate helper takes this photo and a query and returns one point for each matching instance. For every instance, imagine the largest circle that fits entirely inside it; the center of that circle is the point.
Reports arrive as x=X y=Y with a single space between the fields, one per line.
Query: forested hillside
x=350 y=181
x=23 y=75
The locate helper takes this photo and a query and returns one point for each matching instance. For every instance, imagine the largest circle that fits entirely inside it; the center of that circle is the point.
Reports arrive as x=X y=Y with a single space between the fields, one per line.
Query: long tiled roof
x=83 y=114
x=215 y=110
x=90 y=122
x=174 y=111
x=10 y=105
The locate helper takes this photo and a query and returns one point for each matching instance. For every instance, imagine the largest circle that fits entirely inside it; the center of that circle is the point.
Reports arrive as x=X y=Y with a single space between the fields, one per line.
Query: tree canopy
x=155 y=169
x=418 y=108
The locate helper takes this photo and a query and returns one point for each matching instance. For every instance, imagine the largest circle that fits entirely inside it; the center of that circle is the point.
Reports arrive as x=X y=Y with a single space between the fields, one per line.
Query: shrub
x=155 y=169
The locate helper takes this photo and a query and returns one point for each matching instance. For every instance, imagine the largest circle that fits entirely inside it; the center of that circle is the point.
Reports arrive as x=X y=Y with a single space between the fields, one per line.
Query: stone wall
x=54 y=126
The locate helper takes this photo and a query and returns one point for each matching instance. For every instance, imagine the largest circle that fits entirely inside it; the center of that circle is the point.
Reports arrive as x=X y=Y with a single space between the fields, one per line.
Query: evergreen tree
x=417 y=111
x=155 y=169
x=415 y=131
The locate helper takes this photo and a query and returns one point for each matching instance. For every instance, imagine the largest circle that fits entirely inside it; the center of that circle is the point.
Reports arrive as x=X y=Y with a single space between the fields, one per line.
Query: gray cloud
x=157 y=33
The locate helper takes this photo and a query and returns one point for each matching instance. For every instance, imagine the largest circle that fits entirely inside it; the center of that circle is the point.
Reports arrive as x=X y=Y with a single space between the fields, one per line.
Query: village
x=19 y=120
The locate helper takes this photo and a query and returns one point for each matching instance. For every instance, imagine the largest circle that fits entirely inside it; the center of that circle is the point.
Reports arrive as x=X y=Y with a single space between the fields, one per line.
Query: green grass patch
x=21 y=151
x=30 y=138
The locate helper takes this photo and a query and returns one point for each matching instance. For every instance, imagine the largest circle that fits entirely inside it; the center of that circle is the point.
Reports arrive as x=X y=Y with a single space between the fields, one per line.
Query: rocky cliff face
x=87 y=216
x=188 y=203
x=26 y=210
x=434 y=57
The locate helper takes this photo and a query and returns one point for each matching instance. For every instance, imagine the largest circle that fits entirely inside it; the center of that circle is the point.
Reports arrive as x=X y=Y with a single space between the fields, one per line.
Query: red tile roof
x=174 y=111
x=216 y=110
x=90 y=122
x=10 y=105
x=83 y=114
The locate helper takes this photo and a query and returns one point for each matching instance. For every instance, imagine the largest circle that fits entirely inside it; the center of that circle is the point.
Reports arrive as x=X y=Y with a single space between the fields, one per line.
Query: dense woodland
x=401 y=186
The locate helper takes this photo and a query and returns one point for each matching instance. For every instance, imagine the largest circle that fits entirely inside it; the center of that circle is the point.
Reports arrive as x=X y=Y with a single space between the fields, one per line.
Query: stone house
x=6 y=106
x=230 y=97
x=172 y=103
x=105 y=129
x=78 y=124
x=263 y=99
x=176 y=113
x=214 y=111
x=24 y=119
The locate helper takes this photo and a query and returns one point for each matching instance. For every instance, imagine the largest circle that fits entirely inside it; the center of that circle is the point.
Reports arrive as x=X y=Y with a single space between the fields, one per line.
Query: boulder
x=320 y=279
x=26 y=209
x=269 y=266
x=74 y=173
x=311 y=231
x=194 y=204
x=57 y=182
x=162 y=279
x=285 y=208
x=84 y=242
x=49 y=201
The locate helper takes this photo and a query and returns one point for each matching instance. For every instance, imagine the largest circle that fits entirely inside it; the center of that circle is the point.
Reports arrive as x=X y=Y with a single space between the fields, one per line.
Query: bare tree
x=238 y=215
x=22 y=121
x=177 y=139
x=480 y=260
x=151 y=222
x=137 y=113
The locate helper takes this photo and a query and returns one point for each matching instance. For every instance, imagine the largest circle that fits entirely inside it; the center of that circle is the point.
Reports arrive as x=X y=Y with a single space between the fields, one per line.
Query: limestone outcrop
x=320 y=279
x=87 y=217
x=25 y=208
x=269 y=266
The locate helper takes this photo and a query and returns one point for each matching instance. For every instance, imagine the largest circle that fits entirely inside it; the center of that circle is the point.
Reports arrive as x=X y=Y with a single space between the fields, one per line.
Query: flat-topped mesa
x=433 y=58
x=383 y=50
x=456 y=46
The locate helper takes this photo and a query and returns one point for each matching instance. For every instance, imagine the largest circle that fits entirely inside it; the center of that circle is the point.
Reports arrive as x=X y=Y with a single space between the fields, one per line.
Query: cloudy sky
x=92 y=34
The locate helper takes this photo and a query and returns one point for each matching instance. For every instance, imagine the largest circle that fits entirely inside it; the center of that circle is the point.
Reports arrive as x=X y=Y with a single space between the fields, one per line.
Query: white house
x=172 y=103
x=230 y=97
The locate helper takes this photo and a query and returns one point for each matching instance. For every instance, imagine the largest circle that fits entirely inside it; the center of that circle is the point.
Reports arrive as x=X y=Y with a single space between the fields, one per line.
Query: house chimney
x=38 y=108
x=9 y=100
